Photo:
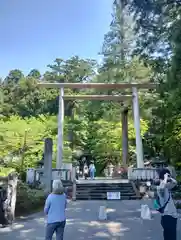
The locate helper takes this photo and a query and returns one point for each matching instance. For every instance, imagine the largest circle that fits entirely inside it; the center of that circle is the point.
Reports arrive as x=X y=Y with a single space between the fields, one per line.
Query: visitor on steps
x=86 y=172
x=77 y=172
x=55 y=206
x=92 y=170
x=165 y=205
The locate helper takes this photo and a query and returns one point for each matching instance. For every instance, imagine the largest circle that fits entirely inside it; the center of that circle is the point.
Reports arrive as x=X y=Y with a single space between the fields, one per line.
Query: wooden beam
x=99 y=85
x=98 y=97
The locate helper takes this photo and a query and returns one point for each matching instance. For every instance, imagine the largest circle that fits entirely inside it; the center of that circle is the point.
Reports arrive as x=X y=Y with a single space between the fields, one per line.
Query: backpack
x=158 y=206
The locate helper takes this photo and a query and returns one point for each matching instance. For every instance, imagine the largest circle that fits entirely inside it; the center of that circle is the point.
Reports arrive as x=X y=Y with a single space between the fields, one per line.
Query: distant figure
x=77 y=172
x=92 y=170
x=55 y=206
x=86 y=172
x=110 y=170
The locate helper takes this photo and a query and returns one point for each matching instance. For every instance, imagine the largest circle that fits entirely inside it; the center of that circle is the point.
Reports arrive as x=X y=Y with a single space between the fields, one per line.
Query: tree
x=154 y=21
x=120 y=39
x=34 y=73
x=72 y=70
x=104 y=140
x=158 y=24
x=118 y=43
x=22 y=140
x=13 y=77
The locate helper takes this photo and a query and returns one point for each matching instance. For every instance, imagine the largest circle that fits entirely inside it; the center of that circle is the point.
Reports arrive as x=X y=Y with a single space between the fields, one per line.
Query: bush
x=28 y=200
x=6 y=171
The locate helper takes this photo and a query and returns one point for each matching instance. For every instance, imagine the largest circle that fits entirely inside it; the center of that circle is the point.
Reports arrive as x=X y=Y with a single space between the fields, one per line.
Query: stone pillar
x=47 y=176
x=139 y=145
x=60 y=130
x=125 y=137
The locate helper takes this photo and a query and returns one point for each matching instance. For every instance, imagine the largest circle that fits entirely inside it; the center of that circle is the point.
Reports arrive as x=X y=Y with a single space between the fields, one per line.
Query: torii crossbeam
x=133 y=86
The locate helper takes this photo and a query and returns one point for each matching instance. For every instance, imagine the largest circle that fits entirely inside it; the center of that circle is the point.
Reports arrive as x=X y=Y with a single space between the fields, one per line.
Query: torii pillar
x=125 y=136
x=136 y=113
x=60 y=130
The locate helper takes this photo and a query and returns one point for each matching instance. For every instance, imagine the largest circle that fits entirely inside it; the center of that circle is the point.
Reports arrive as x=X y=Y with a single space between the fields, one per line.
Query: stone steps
x=98 y=191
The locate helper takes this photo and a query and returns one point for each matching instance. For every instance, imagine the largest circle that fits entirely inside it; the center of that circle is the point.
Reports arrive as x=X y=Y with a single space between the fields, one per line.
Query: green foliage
x=28 y=112
x=6 y=171
x=28 y=200
x=142 y=45
x=22 y=140
x=105 y=141
x=158 y=25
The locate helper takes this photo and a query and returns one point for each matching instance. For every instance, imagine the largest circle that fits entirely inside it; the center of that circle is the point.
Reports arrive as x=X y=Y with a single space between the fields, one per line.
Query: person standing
x=55 y=206
x=77 y=172
x=165 y=205
x=92 y=170
x=86 y=172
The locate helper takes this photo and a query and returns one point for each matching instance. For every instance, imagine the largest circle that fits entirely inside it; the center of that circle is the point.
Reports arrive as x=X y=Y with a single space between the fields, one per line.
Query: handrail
x=34 y=176
x=142 y=173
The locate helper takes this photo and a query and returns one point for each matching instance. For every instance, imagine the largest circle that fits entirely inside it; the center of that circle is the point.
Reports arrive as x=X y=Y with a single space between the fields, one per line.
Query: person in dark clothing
x=169 y=214
x=165 y=205
x=3 y=197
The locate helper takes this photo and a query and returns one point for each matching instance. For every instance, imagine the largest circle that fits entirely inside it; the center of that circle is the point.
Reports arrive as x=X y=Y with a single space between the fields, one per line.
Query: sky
x=33 y=33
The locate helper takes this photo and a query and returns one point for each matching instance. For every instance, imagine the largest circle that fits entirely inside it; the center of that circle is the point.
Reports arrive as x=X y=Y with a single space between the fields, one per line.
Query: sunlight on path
x=123 y=223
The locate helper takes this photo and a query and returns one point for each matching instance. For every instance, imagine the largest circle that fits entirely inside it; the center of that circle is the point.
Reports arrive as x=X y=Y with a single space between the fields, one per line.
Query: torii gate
x=119 y=98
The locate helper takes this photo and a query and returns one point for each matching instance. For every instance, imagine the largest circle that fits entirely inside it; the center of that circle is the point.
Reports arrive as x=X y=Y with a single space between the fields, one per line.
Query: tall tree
x=13 y=77
x=118 y=42
x=73 y=70
x=35 y=74
x=154 y=21
x=158 y=25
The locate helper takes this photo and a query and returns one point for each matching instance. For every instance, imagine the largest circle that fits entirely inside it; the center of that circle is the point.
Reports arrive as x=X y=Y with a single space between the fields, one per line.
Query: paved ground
x=123 y=223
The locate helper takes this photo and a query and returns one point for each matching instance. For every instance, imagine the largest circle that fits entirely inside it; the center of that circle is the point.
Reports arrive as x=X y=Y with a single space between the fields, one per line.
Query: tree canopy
x=143 y=44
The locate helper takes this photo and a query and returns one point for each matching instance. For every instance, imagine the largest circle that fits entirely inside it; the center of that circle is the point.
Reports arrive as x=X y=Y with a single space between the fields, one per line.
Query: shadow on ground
x=123 y=223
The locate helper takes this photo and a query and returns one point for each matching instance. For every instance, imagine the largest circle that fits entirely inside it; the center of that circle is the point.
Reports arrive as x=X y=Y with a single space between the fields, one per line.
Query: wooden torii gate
x=119 y=98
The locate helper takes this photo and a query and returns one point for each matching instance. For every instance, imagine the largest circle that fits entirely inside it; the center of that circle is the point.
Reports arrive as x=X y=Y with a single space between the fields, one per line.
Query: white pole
x=60 y=130
x=139 y=145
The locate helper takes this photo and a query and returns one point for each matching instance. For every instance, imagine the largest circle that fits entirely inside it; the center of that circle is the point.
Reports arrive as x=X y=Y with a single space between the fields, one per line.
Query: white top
x=86 y=170
x=163 y=191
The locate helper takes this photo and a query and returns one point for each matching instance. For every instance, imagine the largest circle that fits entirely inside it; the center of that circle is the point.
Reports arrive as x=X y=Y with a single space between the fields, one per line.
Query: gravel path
x=123 y=223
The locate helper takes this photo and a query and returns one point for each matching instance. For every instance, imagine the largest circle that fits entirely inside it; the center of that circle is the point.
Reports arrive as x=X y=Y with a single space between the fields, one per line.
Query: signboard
x=113 y=195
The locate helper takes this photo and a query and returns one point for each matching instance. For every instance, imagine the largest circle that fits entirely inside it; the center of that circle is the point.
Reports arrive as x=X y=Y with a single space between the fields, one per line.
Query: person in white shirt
x=166 y=205
x=92 y=170
x=86 y=172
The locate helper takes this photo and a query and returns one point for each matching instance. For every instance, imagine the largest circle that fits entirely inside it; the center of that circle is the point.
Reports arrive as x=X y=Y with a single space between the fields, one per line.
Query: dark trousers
x=169 y=225
x=57 y=227
x=3 y=219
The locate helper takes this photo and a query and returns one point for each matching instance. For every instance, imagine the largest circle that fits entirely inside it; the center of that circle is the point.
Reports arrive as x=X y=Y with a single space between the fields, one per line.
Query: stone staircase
x=98 y=190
